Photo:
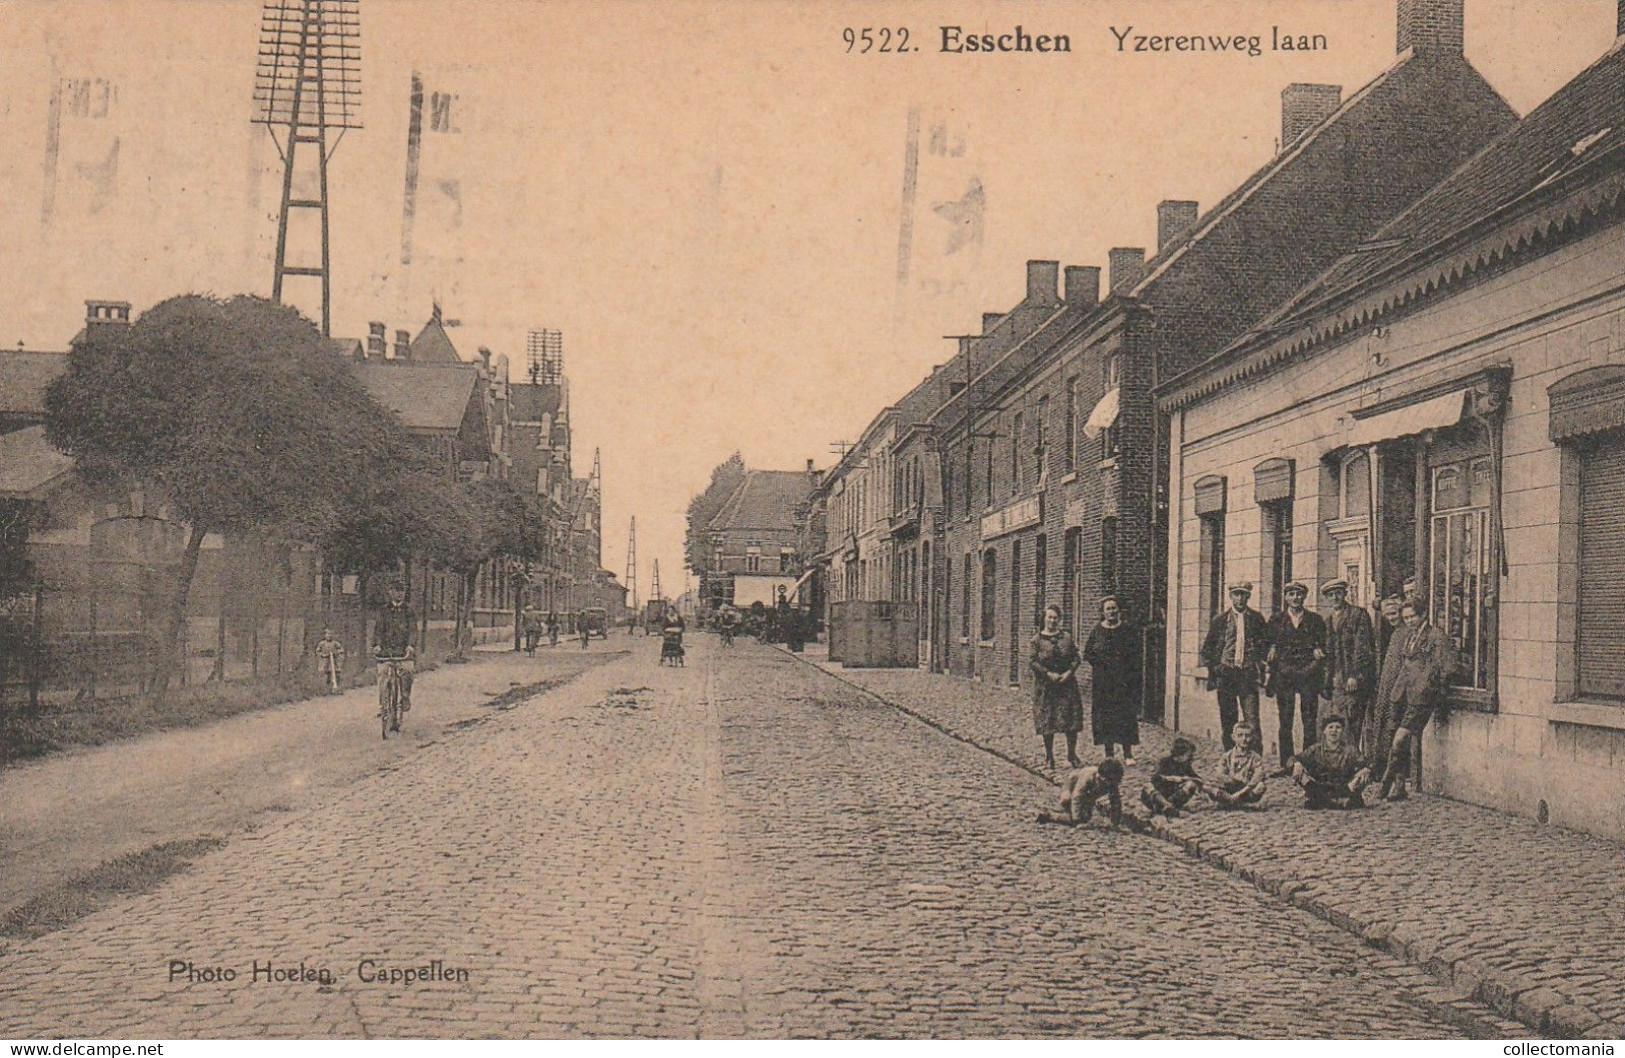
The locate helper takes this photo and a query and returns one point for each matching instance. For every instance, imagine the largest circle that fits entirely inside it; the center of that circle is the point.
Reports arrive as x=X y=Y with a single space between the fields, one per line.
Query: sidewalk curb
x=1462 y=979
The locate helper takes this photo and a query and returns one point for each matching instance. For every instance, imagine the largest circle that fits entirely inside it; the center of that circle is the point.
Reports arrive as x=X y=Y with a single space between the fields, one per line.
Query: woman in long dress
x=1113 y=651
x=1057 y=705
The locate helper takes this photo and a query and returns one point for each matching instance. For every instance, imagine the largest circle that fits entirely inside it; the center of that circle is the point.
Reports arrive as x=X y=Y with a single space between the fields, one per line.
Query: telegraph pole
x=307 y=84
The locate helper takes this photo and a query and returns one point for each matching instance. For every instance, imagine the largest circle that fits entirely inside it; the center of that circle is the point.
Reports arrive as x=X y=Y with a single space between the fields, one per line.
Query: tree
x=470 y=525
x=236 y=410
x=725 y=478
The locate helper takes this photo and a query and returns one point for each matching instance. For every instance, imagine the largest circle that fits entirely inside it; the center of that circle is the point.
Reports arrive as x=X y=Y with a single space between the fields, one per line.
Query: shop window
x=1015 y=613
x=1108 y=556
x=1070 y=431
x=990 y=588
x=1110 y=437
x=1210 y=507
x=965 y=596
x=1015 y=454
x=1039 y=452
x=1601 y=596
x=1071 y=551
x=1276 y=518
x=1461 y=570
x=1040 y=572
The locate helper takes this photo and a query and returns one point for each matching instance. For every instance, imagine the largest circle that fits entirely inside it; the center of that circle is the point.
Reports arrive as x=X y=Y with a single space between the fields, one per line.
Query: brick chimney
x=1303 y=106
x=1125 y=264
x=485 y=359
x=990 y=320
x=377 y=343
x=403 y=345
x=1082 y=286
x=1042 y=277
x=1430 y=27
x=1175 y=217
x=106 y=314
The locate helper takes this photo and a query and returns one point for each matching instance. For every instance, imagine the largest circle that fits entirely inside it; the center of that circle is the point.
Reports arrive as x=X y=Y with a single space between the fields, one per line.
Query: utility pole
x=632 y=563
x=307 y=84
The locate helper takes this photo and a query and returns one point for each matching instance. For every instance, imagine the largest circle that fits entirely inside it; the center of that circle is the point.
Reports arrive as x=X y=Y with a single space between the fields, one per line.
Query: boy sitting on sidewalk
x=1084 y=789
x=1174 y=782
x=1241 y=772
x=1331 y=772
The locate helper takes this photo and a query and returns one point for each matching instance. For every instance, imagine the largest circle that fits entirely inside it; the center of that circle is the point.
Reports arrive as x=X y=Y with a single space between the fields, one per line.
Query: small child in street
x=330 y=662
x=1174 y=782
x=1332 y=772
x=1241 y=772
x=1083 y=791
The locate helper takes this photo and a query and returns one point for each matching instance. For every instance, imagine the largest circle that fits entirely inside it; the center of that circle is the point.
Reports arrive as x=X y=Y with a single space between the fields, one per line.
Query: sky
x=708 y=199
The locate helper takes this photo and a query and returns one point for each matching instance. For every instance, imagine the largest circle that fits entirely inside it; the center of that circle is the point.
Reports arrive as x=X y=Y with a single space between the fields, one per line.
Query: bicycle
x=391 y=692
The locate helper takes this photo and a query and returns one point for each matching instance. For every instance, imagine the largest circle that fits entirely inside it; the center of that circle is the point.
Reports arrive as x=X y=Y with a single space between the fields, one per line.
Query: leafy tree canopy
x=237 y=409
x=725 y=478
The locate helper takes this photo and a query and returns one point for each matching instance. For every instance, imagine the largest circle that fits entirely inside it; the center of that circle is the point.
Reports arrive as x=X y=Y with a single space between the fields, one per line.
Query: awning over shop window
x=1210 y=495
x=1588 y=402
x=796 y=590
x=1434 y=414
x=1272 y=480
x=1105 y=413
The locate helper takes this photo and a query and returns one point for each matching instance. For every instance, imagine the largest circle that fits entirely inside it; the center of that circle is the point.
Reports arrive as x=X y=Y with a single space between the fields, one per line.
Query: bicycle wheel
x=388 y=693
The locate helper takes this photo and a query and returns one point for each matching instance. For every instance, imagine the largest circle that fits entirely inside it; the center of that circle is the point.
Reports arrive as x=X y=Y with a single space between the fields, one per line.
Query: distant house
x=754 y=537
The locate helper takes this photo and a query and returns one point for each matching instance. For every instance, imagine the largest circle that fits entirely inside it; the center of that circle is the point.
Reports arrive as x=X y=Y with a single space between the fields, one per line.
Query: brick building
x=756 y=534
x=1447 y=401
x=1053 y=490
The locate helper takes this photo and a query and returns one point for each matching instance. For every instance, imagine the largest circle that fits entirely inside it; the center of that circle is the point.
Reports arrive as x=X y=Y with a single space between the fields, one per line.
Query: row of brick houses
x=1361 y=341
x=99 y=560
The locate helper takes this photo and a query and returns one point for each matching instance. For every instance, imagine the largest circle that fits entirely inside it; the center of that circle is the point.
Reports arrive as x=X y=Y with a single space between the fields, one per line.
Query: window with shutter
x=1601 y=646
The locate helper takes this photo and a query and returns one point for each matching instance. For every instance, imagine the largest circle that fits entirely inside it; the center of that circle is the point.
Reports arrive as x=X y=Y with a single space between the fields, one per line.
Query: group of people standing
x=537 y=624
x=1322 y=670
x=1301 y=659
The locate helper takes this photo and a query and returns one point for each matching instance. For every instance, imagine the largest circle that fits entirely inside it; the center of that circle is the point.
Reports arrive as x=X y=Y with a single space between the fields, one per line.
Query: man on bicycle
x=392 y=641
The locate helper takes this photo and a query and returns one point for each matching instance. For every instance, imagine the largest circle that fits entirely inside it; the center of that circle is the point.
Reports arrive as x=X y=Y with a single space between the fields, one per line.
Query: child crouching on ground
x=1084 y=789
x=1241 y=772
x=1174 y=782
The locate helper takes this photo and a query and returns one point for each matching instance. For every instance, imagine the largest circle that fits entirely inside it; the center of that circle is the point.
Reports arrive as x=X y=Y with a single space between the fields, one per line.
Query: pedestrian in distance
x=1351 y=661
x=1297 y=650
x=552 y=629
x=330 y=662
x=1415 y=675
x=1241 y=773
x=1331 y=772
x=1057 y=704
x=1174 y=782
x=583 y=628
x=1113 y=652
x=1084 y=790
x=1234 y=652
x=533 y=629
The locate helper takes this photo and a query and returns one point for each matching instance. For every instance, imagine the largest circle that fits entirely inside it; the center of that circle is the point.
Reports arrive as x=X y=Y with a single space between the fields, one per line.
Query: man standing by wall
x=1351 y=659
x=1297 y=639
x=1233 y=653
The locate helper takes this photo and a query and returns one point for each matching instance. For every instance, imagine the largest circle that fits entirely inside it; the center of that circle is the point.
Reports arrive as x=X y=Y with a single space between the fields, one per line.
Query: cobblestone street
x=742 y=847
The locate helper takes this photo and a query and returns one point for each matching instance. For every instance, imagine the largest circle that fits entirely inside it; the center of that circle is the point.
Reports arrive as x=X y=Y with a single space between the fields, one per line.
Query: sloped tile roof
x=28 y=462
x=433 y=345
x=23 y=378
x=766 y=499
x=1581 y=126
x=425 y=396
